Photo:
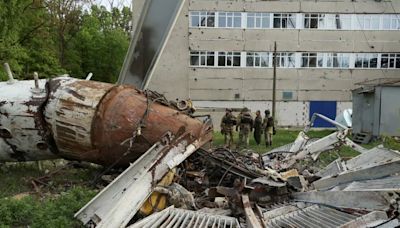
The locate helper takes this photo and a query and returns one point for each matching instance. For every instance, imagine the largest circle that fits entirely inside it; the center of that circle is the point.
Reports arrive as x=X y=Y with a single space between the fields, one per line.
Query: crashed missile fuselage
x=86 y=121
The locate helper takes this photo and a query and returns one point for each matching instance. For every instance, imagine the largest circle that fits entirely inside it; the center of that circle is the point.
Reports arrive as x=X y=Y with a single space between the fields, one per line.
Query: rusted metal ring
x=5 y=133
x=42 y=146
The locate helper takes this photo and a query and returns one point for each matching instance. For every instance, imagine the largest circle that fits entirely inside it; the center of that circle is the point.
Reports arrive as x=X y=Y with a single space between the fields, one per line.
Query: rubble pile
x=218 y=187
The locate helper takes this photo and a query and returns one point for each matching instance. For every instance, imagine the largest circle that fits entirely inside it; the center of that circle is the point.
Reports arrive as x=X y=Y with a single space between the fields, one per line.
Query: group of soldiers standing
x=245 y=124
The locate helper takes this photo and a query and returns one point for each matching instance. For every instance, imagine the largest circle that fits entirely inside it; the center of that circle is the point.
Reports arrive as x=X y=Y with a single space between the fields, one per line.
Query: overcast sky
x=116 y=3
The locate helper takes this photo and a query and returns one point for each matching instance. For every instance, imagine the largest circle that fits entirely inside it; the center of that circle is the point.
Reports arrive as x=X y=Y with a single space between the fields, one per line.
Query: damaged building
x=220 y=52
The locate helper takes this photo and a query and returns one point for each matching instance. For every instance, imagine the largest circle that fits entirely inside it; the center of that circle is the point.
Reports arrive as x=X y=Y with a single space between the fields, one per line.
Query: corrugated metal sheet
x=174 y=217
x=313 y=216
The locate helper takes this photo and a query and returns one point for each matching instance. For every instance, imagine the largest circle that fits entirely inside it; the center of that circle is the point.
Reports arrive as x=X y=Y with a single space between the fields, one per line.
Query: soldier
x=227 y=123
x=258 y=122
x=269 y=128
x=246 y=125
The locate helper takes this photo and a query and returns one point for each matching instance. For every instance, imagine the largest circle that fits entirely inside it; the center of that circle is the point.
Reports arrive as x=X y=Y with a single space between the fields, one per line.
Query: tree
x=65 y=16
x=99 y=46
x=59 y=36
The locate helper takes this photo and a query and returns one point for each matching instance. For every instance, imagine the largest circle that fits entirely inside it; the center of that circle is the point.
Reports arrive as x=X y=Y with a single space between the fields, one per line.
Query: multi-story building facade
x=220 y=54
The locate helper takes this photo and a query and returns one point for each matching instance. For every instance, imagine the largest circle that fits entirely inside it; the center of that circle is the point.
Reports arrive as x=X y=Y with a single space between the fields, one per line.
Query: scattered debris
x=208 y=187
x=223 y=188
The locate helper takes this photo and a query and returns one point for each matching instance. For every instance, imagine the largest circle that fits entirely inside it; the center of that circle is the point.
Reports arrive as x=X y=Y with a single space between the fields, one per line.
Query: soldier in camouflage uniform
x=246 y=126
x=268 y=126
x=227 y=123
x=258 y=129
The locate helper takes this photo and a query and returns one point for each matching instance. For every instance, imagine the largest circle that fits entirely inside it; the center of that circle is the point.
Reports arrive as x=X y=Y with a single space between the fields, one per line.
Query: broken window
x=327 y=21
x=202 y=58
x=194 y=19
x=285 y=60
x=257 y=59
x=258 y=20
x=309 y=60
x=284 y=20
x=391 y=22
x=338 y=60
x=366 y=60
x=310 y=20
x=229 y=59
x=343 y=21
x=229 y=19
x=320 y=59
x=391 y=61
x=202 y=19
x=367 y=22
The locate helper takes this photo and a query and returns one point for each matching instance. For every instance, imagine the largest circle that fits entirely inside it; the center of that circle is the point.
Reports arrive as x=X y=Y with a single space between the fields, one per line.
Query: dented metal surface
x=69 y=113
x=85 y=120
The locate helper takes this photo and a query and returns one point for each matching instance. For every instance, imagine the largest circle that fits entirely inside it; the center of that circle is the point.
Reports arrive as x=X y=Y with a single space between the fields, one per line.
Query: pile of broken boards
x=223 y=188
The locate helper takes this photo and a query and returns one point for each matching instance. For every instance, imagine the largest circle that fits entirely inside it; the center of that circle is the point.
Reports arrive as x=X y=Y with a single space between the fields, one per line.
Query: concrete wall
x=252 y=87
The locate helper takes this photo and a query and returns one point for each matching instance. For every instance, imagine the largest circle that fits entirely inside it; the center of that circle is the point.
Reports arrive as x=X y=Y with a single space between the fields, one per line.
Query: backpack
x=270 y=122
x=246 y=119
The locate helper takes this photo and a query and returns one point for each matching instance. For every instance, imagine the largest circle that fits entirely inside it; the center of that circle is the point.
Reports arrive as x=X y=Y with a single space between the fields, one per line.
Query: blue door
x=326 y=108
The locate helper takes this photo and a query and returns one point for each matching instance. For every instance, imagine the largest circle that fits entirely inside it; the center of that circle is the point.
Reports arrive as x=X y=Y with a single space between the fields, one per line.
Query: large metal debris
x=287 y=156
x=152 y=24
x=319 y=216
x=362 y=200
x=86 y=120
x=174 y=217
x=115 y=205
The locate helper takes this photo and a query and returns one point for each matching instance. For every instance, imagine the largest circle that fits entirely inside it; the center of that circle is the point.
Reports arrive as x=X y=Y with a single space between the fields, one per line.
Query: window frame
x=307 y=58
x=390 y=56
x=229 y=55
x=202 y=55
x=286 y=57
x=284 y=16
x=254 y=16
x=200 y=15
x=257 y=59
x=366 y=59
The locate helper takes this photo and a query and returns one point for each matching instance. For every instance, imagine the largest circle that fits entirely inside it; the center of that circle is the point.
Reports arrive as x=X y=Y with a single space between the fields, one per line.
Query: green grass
x=53 y=211
x=284 y=137
x=52 y=203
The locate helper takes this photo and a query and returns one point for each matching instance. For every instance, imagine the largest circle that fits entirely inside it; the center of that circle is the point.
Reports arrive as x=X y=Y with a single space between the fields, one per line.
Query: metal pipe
x=9 y=73
x=36 y=78
x=274 y=85
x=89 y=76
x=338 y=125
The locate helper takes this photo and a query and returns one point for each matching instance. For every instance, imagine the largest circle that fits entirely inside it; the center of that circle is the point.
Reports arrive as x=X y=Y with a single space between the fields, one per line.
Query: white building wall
x=213 y=89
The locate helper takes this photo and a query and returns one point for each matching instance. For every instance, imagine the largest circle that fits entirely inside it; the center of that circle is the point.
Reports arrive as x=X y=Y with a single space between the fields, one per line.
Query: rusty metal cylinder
x=86 y=121
x=99 y=122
